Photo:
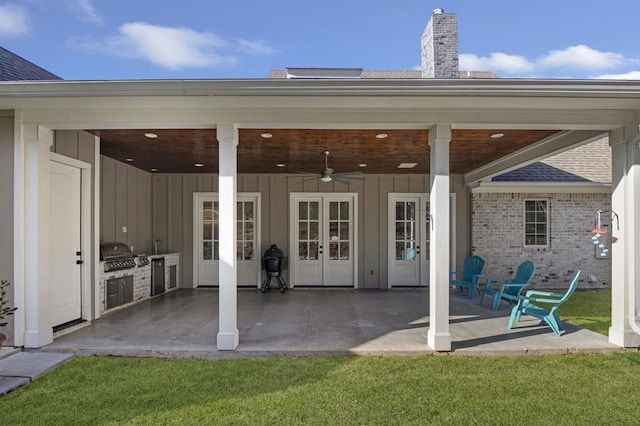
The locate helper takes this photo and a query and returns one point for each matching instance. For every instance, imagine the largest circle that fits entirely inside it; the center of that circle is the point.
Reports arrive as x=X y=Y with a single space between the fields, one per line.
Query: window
x=536 y=223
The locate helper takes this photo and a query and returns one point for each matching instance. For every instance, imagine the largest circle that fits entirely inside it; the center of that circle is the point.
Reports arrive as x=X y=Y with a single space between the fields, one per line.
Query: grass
x=561 y=389
x=588 y=309
x=554 y=389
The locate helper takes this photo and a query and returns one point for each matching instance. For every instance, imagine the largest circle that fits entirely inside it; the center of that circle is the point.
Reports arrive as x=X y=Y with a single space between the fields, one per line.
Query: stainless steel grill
x=116 y=256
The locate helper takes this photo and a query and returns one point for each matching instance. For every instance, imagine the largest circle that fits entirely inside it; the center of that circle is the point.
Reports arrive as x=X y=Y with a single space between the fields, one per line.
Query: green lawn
x=560 y=389
x=588 y=309
x=555 y=389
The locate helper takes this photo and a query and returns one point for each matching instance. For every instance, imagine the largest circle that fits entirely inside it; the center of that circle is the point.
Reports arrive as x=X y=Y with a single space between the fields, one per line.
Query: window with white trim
x=536 y=223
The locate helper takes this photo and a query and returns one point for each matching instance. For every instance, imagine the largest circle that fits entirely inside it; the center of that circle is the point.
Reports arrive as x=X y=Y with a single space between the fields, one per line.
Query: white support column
x=228 y=338
x=37 y=141
x=438 y=336
x=625 y=252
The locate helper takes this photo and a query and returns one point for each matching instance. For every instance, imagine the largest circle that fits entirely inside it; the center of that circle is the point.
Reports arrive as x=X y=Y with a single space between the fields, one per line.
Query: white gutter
x=619 y=89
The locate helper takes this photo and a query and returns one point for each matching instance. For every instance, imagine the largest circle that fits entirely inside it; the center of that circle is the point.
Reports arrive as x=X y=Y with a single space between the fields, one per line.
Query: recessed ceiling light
x=154 y=170
x=407 y=165
x=151 y=135
x=266 y=135
x=199 y=165
x=362 y=165
x=497 y=135
x=382 y=136
x=129 y=159
x=280 y=164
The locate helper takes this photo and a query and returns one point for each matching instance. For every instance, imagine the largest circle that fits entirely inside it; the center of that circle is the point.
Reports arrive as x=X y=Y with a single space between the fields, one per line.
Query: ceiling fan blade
x=350 y=175
x=341 y=180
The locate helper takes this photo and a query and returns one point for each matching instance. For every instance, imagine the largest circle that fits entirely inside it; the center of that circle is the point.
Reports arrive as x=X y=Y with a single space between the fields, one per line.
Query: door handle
x=320 y=251
x=417 y=249
x=79 y=262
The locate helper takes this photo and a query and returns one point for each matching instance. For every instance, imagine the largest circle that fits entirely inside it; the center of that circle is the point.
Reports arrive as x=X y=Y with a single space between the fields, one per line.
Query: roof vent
x=438 y=11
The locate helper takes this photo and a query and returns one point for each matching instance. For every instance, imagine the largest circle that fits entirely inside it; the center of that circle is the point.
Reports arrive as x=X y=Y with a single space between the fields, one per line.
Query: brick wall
x=498 y=236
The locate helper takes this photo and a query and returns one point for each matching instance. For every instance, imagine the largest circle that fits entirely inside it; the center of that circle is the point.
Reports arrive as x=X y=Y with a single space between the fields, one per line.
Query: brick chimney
x=440 y=46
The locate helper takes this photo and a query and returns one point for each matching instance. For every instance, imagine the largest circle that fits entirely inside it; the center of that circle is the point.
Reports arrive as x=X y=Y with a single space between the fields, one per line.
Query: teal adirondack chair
x=471 y=271
x=549 y=315
x=510 y=288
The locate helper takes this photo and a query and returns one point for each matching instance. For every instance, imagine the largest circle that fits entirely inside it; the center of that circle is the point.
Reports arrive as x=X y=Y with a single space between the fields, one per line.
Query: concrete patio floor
x=184 y=323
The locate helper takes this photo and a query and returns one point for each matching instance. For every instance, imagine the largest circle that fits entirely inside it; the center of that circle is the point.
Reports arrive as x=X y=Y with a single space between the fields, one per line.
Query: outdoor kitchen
x=127 y=278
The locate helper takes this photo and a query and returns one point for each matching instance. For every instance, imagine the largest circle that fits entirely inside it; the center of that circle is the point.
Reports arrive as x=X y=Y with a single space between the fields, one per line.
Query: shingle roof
x=587 y=163
x=16 y=68
x=397 y=74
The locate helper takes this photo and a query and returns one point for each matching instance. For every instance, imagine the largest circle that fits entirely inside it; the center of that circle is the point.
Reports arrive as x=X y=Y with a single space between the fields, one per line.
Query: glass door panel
x=406 y=230
x=308 y=226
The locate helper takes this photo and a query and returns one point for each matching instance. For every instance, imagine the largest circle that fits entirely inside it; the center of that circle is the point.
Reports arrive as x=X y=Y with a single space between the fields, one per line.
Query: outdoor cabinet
x=119 y=291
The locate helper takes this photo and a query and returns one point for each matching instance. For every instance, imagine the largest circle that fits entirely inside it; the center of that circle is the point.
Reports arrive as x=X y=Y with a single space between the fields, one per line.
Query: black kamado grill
x=273 y=262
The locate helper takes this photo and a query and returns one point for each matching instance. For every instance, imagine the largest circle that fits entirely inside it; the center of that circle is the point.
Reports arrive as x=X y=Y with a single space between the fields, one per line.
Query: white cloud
x=581 y=60
x=14 y=21
x=172 y=48
x=581 y=57
x=257 y=47
x=85 y=11
x=496 y=62
x=631 y=75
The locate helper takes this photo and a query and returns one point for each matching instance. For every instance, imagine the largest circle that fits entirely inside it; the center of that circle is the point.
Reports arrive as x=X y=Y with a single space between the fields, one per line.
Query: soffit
x=301 y=150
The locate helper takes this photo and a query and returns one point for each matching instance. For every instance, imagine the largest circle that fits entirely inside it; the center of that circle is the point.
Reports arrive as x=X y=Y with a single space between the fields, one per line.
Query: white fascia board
x=548 y=91
x=541 y=187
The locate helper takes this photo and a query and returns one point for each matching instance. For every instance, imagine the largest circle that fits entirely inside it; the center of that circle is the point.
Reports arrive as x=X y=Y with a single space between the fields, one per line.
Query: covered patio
x=456 y=121
x=307 y=322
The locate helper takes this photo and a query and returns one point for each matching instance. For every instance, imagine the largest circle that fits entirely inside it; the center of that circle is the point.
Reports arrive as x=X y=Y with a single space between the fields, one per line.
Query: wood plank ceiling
x=301 y=150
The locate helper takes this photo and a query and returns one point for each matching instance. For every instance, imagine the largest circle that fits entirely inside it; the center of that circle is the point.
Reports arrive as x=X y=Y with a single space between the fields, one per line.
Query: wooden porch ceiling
x=301 y=150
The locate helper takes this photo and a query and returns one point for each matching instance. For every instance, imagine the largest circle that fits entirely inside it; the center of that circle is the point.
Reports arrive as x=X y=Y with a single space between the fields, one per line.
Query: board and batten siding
x=172 y=214
x=6 y=208
x=125 y=202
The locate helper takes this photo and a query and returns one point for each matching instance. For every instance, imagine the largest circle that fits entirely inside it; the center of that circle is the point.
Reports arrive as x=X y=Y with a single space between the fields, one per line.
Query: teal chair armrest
x=539 y=299
x=489 y=281
x=543 y=293
x=505 y=285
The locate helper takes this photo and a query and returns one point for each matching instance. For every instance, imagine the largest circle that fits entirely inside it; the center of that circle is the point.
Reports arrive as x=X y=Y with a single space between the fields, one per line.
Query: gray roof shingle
x=16 y=68
x=588 y=163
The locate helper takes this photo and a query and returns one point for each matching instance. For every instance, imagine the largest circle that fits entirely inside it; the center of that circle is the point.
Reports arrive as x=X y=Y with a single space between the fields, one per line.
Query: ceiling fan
x=327 y=175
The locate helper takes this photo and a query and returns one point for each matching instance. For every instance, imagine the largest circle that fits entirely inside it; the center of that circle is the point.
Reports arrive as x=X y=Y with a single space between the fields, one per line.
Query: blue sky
x=140 y=39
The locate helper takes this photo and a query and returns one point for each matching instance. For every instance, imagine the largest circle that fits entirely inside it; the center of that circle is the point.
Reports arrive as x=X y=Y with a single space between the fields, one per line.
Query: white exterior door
x=409 y=237
x=65 y=296
x=323 y=236
x=206 y=239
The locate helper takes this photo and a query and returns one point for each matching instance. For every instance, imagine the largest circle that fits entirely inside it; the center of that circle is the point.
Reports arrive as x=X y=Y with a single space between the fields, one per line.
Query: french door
x=206 y=239
x=409 y=239
x=323 y=240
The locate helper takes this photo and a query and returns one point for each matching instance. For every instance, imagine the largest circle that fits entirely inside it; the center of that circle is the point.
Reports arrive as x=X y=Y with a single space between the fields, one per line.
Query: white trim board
x=542 y=187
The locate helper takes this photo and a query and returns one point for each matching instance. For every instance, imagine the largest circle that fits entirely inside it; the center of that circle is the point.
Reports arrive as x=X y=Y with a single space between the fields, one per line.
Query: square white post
x=38 y=331
x=228 y=337
x=438 y=336
x=625 y=252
